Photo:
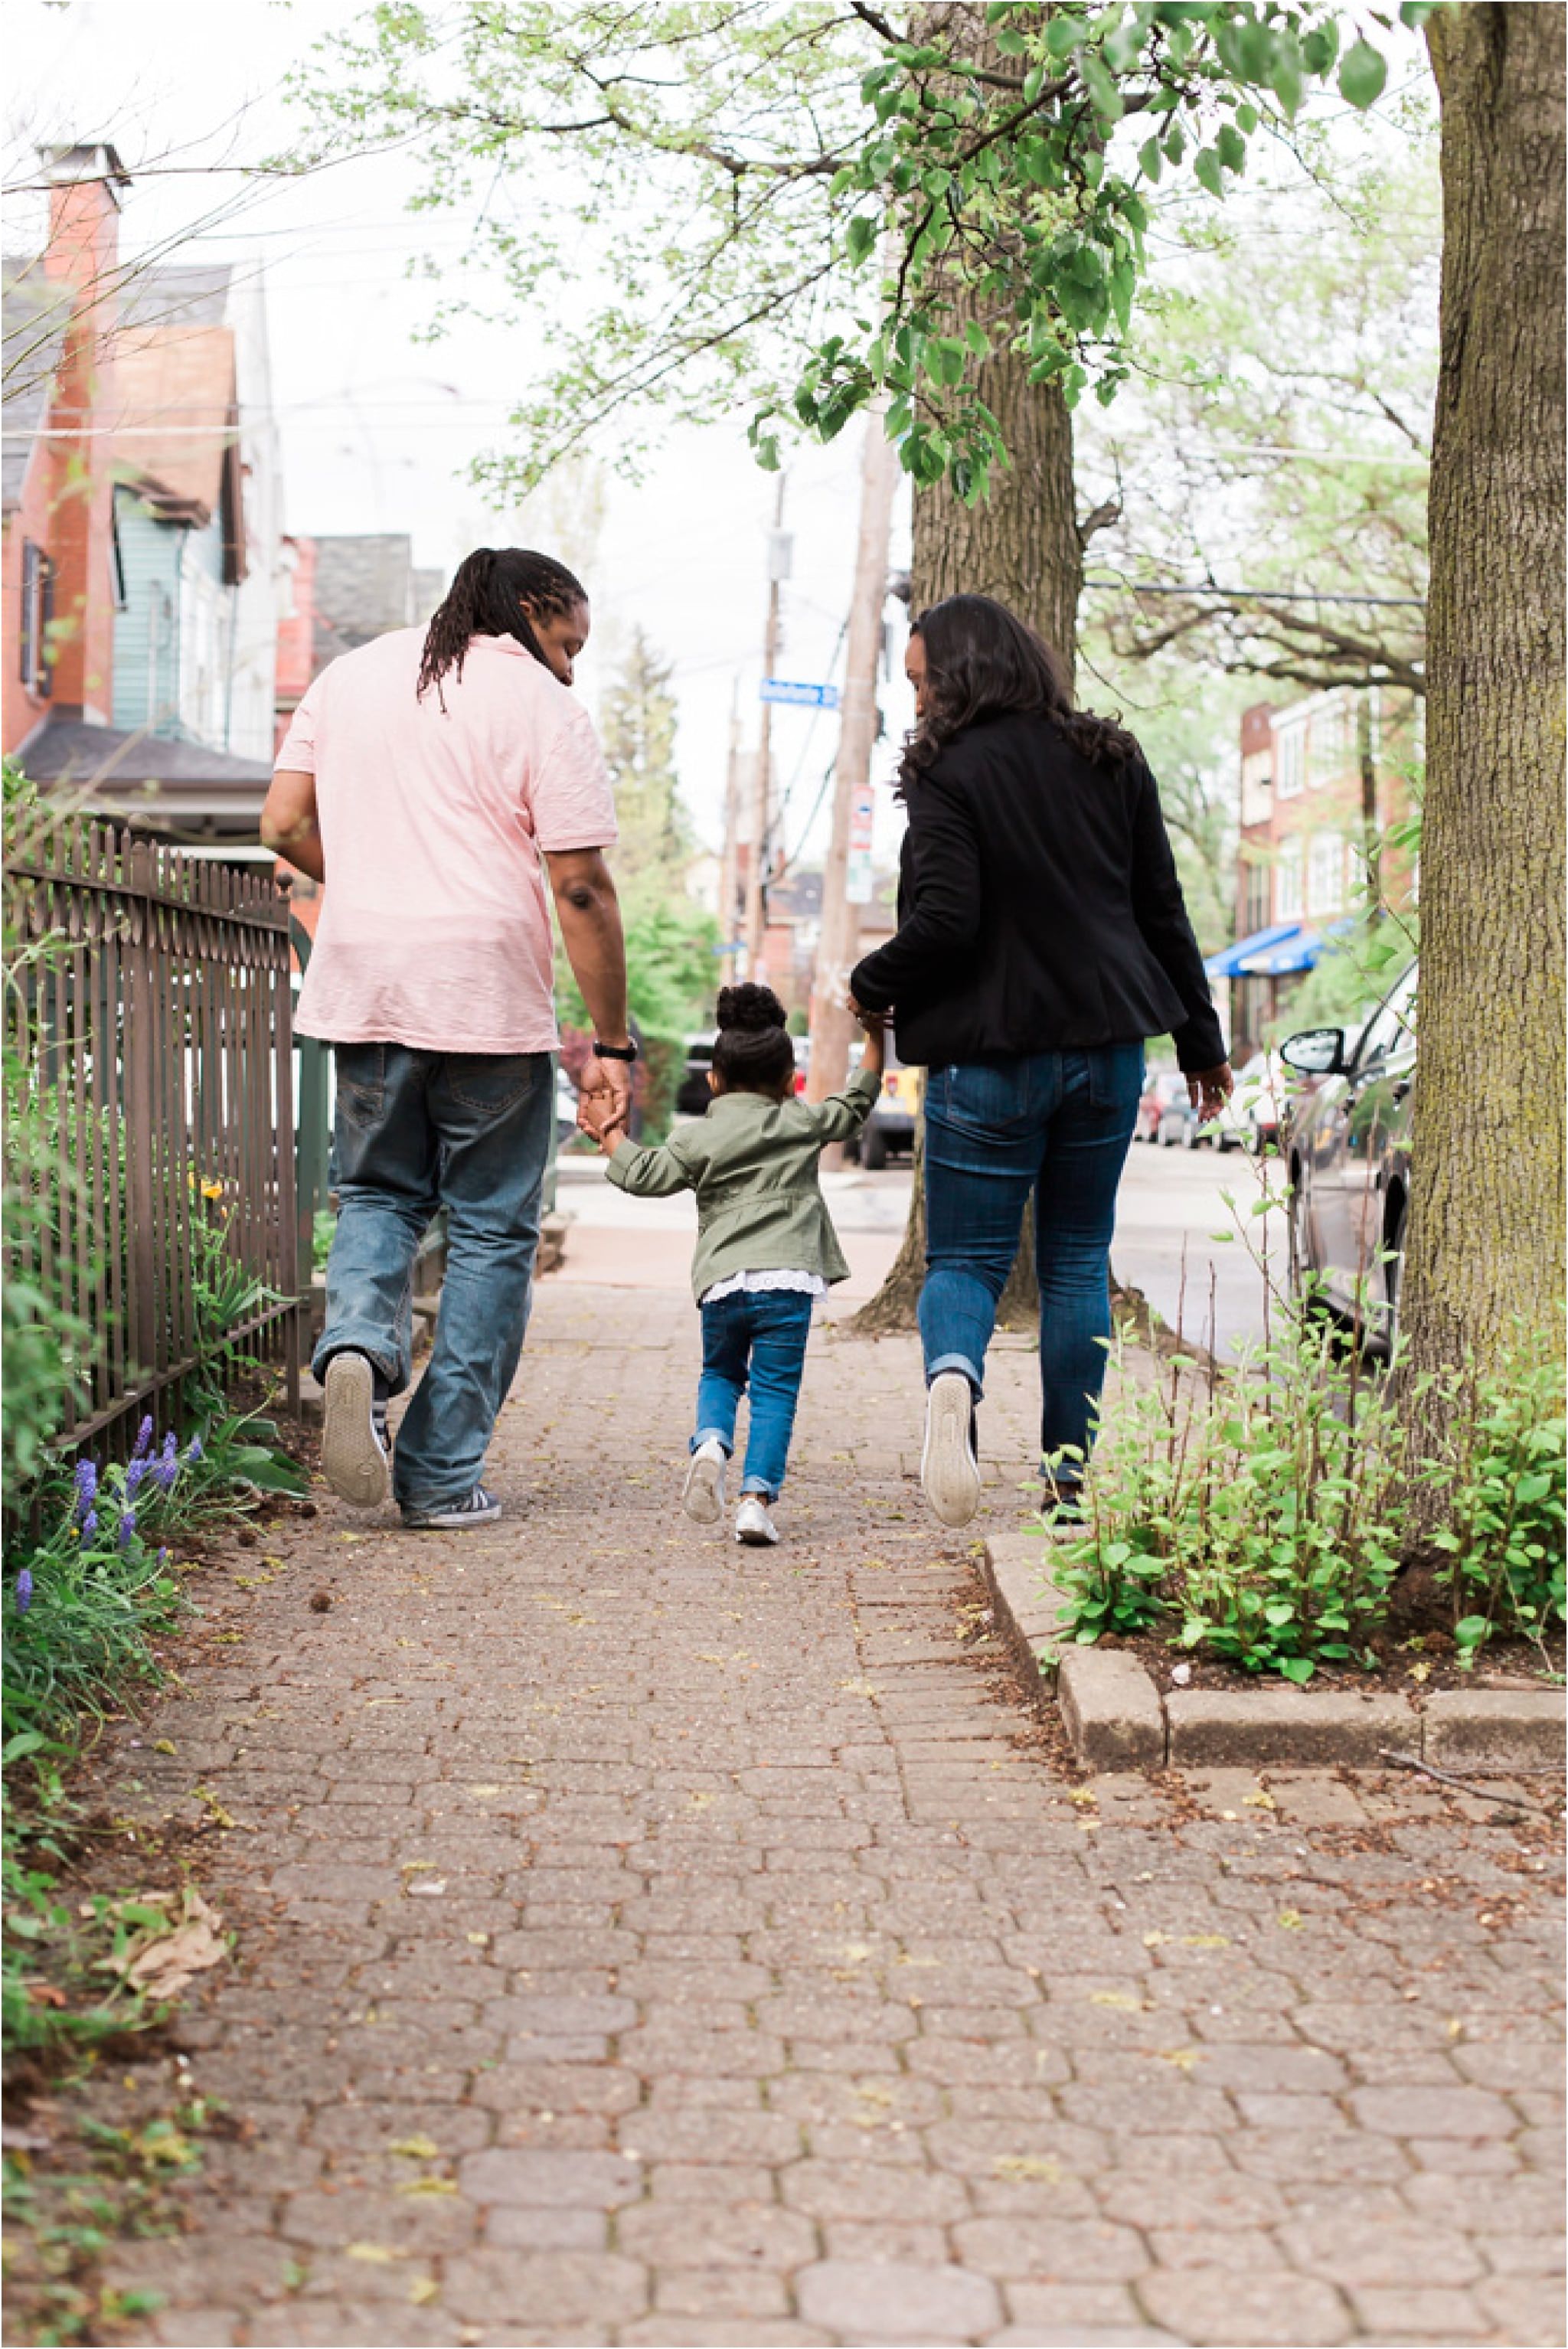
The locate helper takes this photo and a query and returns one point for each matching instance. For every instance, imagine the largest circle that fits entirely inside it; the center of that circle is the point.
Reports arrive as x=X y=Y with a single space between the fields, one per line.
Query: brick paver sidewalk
x=647 y=1941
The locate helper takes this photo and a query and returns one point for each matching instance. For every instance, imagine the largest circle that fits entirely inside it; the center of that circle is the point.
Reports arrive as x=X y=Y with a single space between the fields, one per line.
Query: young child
x=766 y=1244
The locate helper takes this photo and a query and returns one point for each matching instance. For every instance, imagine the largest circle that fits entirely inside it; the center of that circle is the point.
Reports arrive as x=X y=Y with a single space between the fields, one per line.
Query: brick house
x=1320 y=779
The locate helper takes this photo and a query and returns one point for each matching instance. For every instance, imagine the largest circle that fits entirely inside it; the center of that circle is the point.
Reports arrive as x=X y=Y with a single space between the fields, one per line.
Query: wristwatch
x=615 y=1052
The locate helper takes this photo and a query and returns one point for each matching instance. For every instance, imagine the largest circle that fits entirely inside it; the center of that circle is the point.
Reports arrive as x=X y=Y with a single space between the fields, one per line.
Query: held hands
x=604 y=1100
x=1211 y=1088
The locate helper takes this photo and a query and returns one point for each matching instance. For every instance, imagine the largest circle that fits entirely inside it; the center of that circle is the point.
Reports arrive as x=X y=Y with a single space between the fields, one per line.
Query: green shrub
x=1264 y=1517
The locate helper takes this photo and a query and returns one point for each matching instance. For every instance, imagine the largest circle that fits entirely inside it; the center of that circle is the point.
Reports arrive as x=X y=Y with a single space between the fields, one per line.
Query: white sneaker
x=753 y=1525
x=354 y=1449
x=703 y=1495
x=949 y=1472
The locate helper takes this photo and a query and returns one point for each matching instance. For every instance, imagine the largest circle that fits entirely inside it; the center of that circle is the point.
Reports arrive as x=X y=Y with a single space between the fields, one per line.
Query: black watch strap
x=614 y=1051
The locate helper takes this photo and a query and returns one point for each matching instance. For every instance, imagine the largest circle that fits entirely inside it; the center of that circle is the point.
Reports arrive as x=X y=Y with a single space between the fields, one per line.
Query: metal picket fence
x=148 y=1006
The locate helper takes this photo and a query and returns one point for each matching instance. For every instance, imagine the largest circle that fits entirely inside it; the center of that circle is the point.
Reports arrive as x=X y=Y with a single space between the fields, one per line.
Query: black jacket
x=1038 y=909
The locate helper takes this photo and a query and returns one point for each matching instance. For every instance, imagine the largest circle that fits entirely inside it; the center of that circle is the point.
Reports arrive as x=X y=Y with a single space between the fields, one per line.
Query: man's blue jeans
x=469 y=1132
x=757 y=1336
x=1058 y=1124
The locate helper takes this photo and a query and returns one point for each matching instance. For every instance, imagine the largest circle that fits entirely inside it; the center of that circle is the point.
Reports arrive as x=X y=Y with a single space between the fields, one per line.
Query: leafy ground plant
x=1264 y=1517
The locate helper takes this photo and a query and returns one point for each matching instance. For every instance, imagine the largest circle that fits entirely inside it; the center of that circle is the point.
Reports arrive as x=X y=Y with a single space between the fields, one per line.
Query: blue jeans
x=757 y=1337
x=469 y=1132
x=1058 y=1124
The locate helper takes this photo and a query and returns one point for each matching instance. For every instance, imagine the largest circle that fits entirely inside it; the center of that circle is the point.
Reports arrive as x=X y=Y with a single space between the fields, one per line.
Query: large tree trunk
x=1486 y=1240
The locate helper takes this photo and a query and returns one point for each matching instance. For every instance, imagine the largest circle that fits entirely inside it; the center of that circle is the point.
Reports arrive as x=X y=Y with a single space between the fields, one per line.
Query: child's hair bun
x=752 y=1010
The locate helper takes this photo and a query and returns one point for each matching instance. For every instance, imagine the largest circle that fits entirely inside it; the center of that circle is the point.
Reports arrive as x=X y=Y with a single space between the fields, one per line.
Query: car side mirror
x=1316 y=1053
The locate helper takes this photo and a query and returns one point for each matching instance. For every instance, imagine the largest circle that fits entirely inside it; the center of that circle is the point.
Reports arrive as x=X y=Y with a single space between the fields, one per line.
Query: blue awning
x=1232 y=961
x=1298 y=951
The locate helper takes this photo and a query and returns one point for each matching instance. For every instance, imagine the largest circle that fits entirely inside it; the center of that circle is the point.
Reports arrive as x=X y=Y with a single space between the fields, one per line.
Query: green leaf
x=1286 y=71
x=1470 y=1631
x=1296 y=1668
x=1232 y=150
x=1034 y=82
x=1102 y=89
x=1362 y=76
x=861 y=236
x=1063 y=35
x=1206 y=171
x=1247 y=118
x=1149 y=158
x=1175 y=144
x=1320 y=47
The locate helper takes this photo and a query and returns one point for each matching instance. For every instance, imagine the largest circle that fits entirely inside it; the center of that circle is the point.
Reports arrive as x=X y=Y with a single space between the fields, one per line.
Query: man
x=436 y=777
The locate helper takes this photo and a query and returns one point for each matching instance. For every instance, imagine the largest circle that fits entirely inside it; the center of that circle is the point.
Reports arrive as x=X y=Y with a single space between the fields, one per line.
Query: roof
x=34 y=314
x=113 y=762
x=175 y=415
x=197 y=296
x=364 y=586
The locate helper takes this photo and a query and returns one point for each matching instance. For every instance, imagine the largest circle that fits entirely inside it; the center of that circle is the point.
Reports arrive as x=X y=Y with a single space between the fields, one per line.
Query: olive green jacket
x=753 y=1165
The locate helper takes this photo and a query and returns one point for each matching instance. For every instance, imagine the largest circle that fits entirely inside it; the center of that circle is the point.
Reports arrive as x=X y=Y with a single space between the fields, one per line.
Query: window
x=1331 y=743
x=1289 y=905
x=38 y=613
x=1290 y=760
x=1326 y=873
x=1255 y=900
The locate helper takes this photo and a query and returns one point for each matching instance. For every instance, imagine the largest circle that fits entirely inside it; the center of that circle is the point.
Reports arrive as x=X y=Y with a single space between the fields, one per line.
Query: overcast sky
x=376 y=427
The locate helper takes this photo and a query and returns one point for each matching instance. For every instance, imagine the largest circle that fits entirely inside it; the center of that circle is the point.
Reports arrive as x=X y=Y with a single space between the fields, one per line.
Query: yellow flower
x=212 y=1190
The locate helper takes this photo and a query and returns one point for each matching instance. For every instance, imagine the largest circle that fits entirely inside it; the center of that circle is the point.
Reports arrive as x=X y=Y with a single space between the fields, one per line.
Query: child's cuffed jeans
x=754 y=1339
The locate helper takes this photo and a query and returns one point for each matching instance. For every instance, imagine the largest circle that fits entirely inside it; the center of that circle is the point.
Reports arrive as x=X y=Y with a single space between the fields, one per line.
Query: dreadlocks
x=486 y=599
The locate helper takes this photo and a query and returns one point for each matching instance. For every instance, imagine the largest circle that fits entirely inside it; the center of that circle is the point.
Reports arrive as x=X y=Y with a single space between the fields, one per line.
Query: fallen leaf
x=162 y=1962
x=1205 y=1941
x=1291 y=1920
x=1155 y=1941
x=423 y=2290
x=427 y=2186
x=1029 y=2164
x=165 y=1746
x=1183 y=2058
x=418 y=2148
x=380 y=2255
x=417 y=1867
x=483 y=1794
x=1121 y=1999
x=1261 y=1801
x=480 y=1940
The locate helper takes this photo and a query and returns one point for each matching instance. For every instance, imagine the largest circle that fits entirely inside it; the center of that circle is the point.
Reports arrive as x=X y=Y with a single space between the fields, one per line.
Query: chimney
x=82 y=258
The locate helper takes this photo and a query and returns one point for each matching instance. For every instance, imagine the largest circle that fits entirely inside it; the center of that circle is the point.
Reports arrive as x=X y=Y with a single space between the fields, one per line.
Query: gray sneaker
x=703 y=1498
x=475 y=1508
x=355 y=1456
x=949 y=1473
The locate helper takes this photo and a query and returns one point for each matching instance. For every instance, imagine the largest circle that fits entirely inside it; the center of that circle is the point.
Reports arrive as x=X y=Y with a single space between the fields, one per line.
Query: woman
x=1042 y=936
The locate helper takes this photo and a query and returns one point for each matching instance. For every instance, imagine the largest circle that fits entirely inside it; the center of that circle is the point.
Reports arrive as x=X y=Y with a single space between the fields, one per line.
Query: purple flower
x=195 y=1452
x=168 y=1467
x=143 y=1438
x=135 y=1472
x=90 y=1524
x=24 y=1591
x=87 y=1486
x=127 y=1529
x=163 y=1557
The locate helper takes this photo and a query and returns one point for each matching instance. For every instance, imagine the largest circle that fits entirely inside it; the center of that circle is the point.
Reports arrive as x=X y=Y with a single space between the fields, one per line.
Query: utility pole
x=762 y=792
x=844 y=890
x=728 y=871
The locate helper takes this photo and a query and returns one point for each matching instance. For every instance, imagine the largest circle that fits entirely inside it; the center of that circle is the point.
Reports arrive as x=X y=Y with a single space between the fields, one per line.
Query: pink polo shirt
x=435 y=924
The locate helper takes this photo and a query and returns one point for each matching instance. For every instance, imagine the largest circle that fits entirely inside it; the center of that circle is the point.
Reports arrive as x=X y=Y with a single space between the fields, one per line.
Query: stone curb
x=1117 y=1718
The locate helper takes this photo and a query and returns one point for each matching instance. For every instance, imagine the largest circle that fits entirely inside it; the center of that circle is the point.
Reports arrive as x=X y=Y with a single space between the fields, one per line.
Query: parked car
x=693 y=1093
x=1255 y=1116
x=1348 y=1155
x=1162 y=1115
x=890 y=1128
x=566 y=1098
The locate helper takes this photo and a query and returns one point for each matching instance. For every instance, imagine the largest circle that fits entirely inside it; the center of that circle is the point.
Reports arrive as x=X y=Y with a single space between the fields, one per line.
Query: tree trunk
x=1485 y=1239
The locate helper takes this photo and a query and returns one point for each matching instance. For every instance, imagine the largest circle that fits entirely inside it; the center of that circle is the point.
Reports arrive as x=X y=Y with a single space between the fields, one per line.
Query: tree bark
x=1485 y=1242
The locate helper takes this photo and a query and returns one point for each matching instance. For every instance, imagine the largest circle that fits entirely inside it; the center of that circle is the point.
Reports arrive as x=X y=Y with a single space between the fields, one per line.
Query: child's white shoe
x=753 y=1523
x=703 y=1495
x=948 y=1469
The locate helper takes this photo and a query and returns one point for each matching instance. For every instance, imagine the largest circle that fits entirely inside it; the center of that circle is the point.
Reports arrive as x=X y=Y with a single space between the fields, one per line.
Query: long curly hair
x=486 y=599
x=982 y=661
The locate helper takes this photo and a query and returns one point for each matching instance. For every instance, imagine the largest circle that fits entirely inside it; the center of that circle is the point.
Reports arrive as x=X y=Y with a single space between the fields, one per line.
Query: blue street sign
x=803 y=696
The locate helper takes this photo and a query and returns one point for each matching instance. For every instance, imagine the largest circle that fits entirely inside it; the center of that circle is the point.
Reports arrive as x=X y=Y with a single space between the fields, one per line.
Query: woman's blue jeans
x=1057 y=1124
x=469 y=1132
x=756 y=1338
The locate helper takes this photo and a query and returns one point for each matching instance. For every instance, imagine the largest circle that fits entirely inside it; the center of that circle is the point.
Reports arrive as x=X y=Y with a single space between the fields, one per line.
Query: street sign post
x=798 y=696
x=858 y=882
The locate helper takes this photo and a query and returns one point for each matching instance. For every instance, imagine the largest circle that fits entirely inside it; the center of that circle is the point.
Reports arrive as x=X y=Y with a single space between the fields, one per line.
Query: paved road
x=643 y=1942
x=1172 y=1205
